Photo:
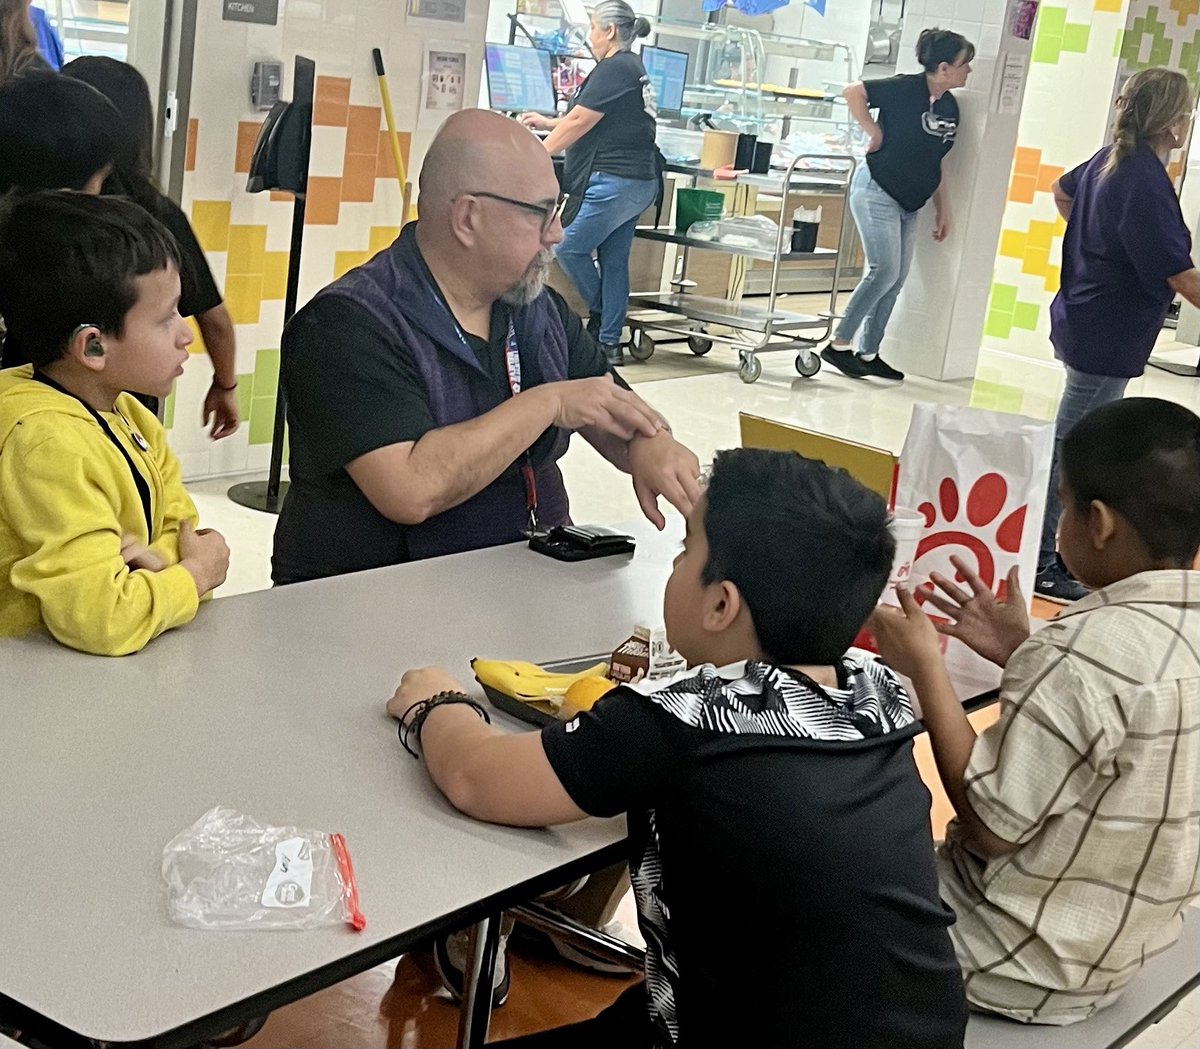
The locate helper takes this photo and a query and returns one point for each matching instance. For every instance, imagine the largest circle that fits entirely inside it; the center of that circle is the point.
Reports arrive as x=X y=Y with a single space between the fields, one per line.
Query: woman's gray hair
x=629 y=24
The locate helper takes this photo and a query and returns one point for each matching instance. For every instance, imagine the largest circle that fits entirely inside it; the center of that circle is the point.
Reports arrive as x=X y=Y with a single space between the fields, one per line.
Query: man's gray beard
x=531 y=285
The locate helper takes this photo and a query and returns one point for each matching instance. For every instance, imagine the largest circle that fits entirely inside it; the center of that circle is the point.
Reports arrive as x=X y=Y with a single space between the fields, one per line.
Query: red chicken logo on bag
x=984 y=507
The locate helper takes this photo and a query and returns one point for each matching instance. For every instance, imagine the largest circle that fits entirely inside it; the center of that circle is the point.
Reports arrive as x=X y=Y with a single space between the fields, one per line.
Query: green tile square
x=1025 y=315
x=996 y=397
x=1047 y=49
x=262 y=420
x=1051 y=21
x=244 y=393
x=168 y=411
x=1075 y=38
x=1118 y=43
x=266 y=373
x=1004 y=297
x=998 y=325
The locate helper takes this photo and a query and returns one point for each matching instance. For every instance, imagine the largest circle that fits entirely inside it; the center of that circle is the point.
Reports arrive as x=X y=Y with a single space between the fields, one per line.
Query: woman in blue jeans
x=611 y=174
x=915 y=127
x=1126 y=254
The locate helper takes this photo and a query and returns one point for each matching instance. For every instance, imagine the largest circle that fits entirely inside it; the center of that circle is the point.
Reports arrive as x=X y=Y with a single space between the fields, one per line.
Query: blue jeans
x=1082 y=393
x=604 y=226
x=887 y=233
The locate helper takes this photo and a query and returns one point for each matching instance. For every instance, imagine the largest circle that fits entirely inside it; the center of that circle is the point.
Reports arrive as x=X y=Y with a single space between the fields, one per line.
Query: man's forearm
x=1187 y=284
x=952 y=737
x=220 y=342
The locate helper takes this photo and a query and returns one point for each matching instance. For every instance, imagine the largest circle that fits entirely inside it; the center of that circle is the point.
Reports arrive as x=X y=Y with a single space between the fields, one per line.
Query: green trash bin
x=697 y=205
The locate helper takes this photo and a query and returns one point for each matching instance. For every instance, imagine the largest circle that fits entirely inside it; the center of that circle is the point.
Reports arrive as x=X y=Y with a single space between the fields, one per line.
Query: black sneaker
x=450 y=956
x=845 y=361
x=593 y=326
x=1056 y=584
x=613 y=353
x=877 y=367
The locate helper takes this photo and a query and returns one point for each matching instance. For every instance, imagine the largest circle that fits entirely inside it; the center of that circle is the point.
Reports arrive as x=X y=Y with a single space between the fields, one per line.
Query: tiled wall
x=936 y=326
x=1083 y=50
x=354 y=200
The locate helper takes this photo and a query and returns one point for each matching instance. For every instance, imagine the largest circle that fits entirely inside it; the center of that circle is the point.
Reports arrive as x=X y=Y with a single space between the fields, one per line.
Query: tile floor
x=701 y=397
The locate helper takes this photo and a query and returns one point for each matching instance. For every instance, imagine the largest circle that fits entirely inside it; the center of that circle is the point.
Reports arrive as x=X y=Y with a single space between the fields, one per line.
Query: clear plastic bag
x=227 y=871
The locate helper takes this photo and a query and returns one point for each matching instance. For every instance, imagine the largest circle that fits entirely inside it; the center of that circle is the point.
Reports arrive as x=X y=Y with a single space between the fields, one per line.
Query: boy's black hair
x=55 y=132
x=807 y=546
x=68 y=259
x=1140 y=457
x=935 y=46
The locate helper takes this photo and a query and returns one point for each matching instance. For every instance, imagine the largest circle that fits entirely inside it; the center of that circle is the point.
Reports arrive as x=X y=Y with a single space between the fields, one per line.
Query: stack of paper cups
x=907 y=527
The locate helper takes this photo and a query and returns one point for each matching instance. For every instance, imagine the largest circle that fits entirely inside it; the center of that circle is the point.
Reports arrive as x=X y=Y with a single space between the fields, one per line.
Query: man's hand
x=907 y=639
x=994 y=629
x=602 y=404
x=941 y=226
x=662 y=466
x=137 y=555
x=420 y=684
x=221 y=409
x=204 y=554
x=875 y=140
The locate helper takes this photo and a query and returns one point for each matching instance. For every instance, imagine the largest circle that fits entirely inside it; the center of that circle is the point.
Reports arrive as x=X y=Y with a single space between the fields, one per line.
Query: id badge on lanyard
x=512 y=364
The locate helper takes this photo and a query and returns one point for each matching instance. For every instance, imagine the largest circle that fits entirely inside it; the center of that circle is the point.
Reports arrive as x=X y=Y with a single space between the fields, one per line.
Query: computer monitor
x=519 y=79
x=667 y=71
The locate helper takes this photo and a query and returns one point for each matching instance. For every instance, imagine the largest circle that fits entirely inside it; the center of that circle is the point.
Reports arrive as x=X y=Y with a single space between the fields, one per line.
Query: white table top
x=271 y=703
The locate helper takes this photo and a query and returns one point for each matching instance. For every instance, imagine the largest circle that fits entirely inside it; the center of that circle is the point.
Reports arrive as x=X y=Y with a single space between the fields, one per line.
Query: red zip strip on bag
x=346 y=869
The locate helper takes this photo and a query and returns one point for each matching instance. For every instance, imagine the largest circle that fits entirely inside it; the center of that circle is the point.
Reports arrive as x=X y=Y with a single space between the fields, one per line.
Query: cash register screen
x=519 y=79
x=667 y=71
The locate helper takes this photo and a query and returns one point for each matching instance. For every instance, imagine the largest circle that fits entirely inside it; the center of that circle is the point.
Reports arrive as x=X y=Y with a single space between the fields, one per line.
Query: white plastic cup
x=907 y=526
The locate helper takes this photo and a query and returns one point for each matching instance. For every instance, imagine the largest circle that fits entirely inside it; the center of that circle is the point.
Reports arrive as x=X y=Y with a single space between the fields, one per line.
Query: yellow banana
x=527 y=681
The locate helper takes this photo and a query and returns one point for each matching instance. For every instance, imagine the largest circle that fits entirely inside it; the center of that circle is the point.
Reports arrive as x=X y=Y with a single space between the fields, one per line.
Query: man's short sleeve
x=608 y=82
x=1069 y=181
x=1045 y=751
x=618 y=756
x=198 y=291
x=350 y=388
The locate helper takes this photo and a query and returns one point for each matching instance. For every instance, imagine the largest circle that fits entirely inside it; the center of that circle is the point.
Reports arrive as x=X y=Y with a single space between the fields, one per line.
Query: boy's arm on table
x=63 y=514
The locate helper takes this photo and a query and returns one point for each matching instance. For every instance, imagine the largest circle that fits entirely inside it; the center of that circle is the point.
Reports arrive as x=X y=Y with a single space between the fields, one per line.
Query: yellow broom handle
x=393 y=138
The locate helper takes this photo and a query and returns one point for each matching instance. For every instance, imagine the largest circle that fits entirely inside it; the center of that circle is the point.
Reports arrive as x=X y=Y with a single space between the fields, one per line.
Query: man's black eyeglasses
x=548 y=213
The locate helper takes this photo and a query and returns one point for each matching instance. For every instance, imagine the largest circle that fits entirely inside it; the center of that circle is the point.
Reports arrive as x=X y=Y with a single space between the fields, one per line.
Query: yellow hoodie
x=67 y=499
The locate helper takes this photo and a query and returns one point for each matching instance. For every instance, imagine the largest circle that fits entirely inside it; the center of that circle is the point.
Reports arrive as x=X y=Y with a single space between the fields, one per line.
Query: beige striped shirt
x=1093 y=770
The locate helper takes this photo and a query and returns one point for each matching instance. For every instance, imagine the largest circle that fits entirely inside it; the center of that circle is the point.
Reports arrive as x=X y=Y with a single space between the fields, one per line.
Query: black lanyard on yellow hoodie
x=143 y=489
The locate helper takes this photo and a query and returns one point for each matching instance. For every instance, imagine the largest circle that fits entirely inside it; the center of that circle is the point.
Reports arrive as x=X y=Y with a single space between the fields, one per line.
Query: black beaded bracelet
x=418 y=712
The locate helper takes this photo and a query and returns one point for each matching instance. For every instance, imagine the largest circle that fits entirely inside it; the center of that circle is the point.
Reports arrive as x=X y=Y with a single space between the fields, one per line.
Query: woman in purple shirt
x=1126 y=255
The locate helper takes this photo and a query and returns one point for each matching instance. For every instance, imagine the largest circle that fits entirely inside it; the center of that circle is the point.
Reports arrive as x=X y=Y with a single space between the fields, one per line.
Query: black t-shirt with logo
x=917 y=133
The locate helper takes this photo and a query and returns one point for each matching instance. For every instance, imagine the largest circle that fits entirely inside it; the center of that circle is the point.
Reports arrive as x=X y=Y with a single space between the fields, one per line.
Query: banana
x=528 y=681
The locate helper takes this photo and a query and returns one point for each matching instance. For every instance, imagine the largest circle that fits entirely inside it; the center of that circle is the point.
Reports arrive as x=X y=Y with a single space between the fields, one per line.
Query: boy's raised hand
x=906 y=636
x=993 y=627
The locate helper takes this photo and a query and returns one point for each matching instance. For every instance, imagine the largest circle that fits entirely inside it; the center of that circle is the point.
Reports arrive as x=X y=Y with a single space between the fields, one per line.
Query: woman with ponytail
x=1126 y=254
x=612 y=169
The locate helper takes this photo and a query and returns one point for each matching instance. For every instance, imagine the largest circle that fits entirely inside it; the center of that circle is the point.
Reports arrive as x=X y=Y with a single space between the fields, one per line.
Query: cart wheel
x=750 y=369
x=641 y=346
x=808 y=364
x=699 y=345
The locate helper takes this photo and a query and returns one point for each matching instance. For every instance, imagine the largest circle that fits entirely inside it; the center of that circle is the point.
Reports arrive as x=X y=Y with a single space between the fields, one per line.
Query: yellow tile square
x=197 y=345
x=210 y=222
x=274 y=277
x=381 y=237
x=1040 y=235
x=243 y=297
x=247 y=248
x=1109 y=5
x=345 y=261
x=1012 y=244
x=1053 y=278
x=1036 y=262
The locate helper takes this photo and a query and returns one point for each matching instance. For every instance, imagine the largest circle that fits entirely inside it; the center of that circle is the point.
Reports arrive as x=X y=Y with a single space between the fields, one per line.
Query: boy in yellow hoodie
x=98 y=543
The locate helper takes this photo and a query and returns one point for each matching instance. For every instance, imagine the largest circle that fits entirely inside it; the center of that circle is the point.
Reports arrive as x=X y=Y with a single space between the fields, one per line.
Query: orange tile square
x=358 y=177
x=274 y=277
x=282 y=195
x=1022 y=189
x=193 y=132
x=331 y=104
x=1026 y=161
x=324 y=201
x=362 y=130
x=387 y=166
x=1046 y=176
x=247 y=135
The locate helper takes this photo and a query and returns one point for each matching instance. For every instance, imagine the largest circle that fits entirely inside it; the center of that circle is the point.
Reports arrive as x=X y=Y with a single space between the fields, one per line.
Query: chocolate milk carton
x=645 y=654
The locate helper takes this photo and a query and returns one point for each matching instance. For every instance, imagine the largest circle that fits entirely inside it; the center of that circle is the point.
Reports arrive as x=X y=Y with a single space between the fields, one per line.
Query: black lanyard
x=143 y=489
x=512 y=367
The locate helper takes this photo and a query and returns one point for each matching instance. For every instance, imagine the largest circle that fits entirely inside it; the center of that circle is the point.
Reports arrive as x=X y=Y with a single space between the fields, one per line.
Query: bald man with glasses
x=432 y=390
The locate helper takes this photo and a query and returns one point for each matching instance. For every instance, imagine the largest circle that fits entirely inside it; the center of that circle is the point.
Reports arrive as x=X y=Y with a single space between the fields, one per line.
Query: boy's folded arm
x=64 y=516
x=178 y=507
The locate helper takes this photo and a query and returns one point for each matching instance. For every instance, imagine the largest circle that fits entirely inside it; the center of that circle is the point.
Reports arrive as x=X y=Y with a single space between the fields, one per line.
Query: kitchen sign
x=263 y=12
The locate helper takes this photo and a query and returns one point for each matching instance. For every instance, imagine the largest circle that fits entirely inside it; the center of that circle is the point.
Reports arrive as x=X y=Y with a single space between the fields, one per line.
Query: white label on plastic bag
x=290 y=883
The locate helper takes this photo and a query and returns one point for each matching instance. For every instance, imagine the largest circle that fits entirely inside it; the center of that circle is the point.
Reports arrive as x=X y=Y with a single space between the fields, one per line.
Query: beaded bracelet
x=418 y=712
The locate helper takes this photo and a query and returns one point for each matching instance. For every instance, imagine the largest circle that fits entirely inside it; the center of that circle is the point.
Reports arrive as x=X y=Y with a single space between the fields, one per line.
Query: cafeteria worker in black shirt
x=611 y=173
x=915 y=127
